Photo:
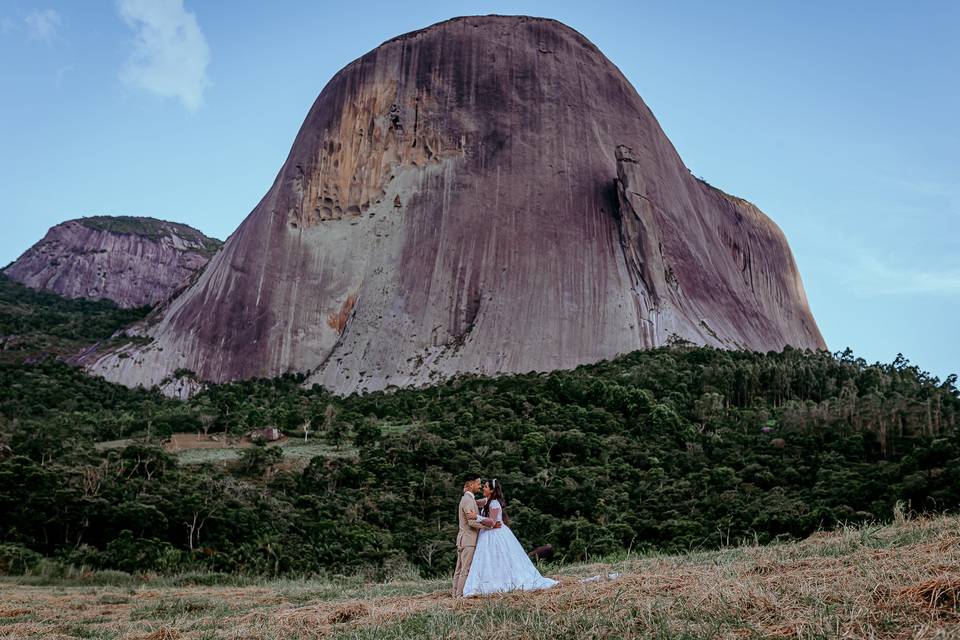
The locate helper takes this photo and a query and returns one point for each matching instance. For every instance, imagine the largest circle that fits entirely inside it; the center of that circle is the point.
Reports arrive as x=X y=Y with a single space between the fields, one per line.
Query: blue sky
x=841 y=120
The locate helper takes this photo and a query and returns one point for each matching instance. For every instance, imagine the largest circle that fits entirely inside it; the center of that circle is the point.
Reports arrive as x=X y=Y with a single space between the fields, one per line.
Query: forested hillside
x=675 y=448
x=38 y=324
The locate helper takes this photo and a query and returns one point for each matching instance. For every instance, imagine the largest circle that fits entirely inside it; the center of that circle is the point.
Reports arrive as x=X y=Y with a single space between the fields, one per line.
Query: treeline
x=670 y=449
x=150 y=228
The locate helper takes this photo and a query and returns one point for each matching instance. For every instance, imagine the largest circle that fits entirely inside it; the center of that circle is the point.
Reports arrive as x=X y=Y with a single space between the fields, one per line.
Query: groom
x=470 y=526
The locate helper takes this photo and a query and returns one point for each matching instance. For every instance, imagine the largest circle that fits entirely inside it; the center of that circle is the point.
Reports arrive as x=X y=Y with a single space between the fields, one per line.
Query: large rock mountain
x=131 y=260
x=486 y=195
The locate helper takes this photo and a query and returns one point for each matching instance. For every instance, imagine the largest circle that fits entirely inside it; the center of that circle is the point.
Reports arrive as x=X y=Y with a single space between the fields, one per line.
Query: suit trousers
x=464 y=560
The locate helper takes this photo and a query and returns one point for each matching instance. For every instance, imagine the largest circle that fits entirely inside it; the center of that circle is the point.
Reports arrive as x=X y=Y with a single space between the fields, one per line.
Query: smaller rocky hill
x=133 y=261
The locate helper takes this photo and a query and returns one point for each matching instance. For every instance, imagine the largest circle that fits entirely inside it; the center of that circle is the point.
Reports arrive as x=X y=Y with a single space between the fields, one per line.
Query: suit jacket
x=469 y=529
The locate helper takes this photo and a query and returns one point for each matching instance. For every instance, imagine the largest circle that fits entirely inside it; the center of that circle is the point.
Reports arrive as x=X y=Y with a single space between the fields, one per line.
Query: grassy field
x=296 y=452
x=188 y=448
x=896 y=581
x=192 y=448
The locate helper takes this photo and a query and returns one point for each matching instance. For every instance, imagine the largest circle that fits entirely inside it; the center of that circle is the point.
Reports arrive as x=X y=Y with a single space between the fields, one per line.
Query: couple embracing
x=489 y=557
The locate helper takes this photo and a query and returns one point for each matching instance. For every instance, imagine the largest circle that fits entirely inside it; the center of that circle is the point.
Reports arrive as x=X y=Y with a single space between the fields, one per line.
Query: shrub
x=17 y=560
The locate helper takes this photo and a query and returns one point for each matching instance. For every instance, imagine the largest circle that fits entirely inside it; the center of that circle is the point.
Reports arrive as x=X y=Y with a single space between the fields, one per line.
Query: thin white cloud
x=170 y=54
x=843 y=258
x=872 y=276
x=43 y=24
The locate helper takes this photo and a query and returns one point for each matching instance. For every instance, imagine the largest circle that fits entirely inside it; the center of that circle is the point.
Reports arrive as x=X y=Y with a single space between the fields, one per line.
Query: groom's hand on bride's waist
x=472 y=515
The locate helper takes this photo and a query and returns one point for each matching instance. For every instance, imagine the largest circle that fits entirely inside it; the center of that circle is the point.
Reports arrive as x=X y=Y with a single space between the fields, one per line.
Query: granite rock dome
x=486 y=195
x=131 y=260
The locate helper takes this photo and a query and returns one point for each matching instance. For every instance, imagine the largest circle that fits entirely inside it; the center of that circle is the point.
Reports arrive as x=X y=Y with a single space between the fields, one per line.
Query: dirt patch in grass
x=163 y=634
x=187 y=441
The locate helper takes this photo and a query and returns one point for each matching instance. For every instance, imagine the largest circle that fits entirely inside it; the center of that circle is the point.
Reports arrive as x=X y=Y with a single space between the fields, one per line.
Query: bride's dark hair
x=496 y=493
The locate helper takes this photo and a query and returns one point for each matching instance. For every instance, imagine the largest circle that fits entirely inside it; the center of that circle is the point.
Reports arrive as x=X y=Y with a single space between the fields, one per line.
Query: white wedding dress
x=500 y=563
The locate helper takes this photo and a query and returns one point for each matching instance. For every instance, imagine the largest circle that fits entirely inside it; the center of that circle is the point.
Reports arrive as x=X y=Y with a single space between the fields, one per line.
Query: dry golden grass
x=896 y=581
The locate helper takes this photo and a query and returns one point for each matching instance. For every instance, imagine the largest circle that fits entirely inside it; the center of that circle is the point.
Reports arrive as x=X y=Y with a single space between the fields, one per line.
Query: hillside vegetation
x=671 y=449
x=37 y=324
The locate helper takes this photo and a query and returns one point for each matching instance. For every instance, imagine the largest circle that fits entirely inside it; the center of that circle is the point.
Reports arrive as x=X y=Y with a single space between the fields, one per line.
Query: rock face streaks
x=132 y=261
x=486 y=195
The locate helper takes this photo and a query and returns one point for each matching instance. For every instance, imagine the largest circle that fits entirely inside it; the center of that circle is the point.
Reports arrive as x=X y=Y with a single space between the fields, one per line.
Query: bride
x=500 y=563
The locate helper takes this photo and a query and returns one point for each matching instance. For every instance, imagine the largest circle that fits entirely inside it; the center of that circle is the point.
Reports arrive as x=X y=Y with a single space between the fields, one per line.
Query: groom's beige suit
x=466 y=541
